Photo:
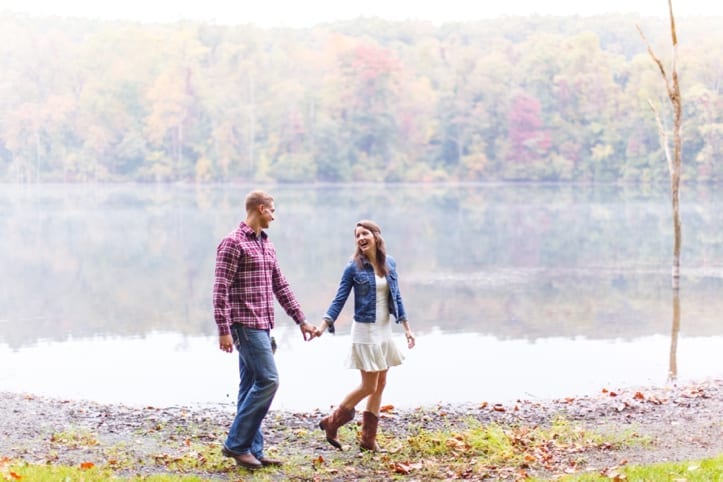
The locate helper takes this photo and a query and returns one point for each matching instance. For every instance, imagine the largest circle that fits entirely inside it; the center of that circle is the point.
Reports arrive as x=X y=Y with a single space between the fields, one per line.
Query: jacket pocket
x=361 y=284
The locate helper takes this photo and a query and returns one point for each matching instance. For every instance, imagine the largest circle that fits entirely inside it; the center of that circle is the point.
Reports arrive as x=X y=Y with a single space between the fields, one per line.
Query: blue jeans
x=259 y=381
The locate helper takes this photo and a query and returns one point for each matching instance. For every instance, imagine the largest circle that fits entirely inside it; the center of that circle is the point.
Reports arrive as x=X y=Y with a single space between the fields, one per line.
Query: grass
x=467 y=450
x=706 y=470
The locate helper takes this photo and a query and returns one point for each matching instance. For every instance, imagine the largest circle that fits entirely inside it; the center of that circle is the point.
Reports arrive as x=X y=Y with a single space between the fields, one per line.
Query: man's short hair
x=255 y=199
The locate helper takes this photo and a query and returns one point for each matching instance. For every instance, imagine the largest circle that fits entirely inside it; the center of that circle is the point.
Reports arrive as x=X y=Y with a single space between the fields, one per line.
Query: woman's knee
x=368 y=388
x=381 y=384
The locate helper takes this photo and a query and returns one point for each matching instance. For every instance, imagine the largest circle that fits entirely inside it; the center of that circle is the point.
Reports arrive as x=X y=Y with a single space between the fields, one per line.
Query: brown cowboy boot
x=332 y=423
x=369 y=432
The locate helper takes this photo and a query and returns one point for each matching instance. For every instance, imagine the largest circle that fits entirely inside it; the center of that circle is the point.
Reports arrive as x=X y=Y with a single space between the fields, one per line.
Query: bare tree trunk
x=673 y=89
x=673 y=358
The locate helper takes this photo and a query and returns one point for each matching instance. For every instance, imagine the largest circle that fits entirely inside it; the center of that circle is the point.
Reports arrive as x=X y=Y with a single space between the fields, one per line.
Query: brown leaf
x=639 y=396
x=498 y=407
x=457 y=444
x=386 y=408
x=15 y=476
x=86 y=465
x=401 y=468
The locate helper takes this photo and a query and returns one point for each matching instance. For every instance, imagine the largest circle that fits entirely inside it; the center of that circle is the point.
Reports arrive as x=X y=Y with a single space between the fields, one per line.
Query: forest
x=537 y=98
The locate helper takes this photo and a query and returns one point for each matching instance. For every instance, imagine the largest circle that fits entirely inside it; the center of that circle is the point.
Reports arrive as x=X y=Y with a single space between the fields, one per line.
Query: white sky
x=302 y=13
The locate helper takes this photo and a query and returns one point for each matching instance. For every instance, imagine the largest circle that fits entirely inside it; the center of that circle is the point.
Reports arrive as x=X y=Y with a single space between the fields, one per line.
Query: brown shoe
x=332 y=423
x=247 y=461
x=369 y=432
x=267 y=462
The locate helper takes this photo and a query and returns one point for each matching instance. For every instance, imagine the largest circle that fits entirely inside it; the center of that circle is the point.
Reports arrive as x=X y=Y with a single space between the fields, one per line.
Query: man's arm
x=287 y=300
x=227 y=257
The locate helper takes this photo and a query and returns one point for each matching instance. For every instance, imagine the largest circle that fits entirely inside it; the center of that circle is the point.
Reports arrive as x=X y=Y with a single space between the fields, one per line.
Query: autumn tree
x=673 y=90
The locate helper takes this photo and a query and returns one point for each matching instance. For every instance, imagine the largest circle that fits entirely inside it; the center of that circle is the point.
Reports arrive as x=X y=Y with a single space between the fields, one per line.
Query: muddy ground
x=678 y=422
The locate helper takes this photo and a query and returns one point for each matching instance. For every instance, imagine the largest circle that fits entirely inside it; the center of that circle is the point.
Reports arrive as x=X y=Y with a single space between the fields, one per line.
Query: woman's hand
x=410 y=340
x=321 y=328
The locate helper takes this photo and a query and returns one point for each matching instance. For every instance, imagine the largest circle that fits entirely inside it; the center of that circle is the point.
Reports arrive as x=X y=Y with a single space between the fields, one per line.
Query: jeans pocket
x=237 y=331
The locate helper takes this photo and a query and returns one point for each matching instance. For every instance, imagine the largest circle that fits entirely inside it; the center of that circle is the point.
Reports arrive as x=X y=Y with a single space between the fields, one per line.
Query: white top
x=372 y=346
x=381 y=330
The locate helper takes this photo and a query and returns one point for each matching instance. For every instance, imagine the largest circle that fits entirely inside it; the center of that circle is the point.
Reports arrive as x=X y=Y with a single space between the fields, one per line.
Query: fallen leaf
x=87 y=465
x=15 y=476
x=386 y=408
x=400 y=468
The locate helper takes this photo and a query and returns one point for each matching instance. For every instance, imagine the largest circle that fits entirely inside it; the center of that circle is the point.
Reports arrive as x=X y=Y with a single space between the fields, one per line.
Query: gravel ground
x=681 y=422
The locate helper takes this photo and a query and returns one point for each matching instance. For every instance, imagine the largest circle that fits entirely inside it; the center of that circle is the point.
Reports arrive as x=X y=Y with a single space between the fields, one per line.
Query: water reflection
x=675 y=330
x=163 y=369
x=113 y=265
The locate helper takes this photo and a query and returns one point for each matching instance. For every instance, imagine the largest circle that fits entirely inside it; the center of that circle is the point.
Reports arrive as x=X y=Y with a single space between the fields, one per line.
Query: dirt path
x=681 y=422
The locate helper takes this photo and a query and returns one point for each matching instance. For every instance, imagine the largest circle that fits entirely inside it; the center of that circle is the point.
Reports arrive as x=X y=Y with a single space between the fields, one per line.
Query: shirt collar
x=250 y=233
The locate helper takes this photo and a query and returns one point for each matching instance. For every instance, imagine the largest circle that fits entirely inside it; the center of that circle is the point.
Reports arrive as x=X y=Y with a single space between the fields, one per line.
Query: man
x=247 y=277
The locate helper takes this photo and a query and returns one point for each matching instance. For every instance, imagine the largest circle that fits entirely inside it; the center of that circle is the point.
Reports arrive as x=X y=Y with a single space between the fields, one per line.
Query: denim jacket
x=365 y=293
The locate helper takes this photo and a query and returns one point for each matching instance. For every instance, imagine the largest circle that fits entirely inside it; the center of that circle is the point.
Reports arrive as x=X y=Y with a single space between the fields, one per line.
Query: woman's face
x=365 y=240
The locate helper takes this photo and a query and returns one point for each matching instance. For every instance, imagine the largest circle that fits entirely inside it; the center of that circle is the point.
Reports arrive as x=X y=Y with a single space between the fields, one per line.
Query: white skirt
x=372 y=347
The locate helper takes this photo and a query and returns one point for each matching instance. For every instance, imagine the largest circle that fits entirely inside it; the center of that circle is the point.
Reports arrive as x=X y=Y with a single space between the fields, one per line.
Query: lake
x=513 y=290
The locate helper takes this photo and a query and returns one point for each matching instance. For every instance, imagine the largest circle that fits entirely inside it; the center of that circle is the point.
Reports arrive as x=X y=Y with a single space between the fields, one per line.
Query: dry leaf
x=87 y=465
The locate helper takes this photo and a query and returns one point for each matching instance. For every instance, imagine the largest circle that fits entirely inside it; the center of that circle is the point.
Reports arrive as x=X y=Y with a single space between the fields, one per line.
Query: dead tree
x=673 y=90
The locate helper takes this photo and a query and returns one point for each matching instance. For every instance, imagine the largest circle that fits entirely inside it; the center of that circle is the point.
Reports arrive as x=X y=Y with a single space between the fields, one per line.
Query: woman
x=373 y=277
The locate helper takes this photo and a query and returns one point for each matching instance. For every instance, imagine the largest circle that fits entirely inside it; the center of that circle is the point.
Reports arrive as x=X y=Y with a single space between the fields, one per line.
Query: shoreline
x=682 y=422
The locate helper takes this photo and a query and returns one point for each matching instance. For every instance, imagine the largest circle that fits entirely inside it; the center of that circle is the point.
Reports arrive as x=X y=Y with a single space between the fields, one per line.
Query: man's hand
x=225 y=342
x=308 y=331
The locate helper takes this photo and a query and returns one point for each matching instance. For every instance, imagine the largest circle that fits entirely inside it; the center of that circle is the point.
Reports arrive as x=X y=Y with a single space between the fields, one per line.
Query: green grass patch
x=706 y=470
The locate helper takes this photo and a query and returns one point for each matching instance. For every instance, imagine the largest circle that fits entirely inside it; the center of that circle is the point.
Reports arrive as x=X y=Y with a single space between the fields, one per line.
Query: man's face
x=266 y=214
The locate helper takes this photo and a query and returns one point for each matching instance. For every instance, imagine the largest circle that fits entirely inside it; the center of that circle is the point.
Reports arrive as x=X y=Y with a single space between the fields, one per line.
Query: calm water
x=514 y=291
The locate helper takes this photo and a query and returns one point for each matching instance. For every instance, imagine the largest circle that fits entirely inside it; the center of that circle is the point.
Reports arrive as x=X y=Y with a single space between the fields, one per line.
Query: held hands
x=321 y=328
x=309 y=331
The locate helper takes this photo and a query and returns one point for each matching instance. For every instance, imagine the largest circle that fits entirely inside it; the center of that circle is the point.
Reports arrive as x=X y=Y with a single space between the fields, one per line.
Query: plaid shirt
x=247 y=278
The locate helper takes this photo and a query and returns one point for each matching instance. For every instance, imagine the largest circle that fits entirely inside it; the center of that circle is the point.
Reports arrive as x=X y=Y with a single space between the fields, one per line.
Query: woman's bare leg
x=374 y=402
x=369 y=383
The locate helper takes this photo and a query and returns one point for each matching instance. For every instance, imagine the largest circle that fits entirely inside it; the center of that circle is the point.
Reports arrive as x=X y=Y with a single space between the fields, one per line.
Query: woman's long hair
x=381 y=250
